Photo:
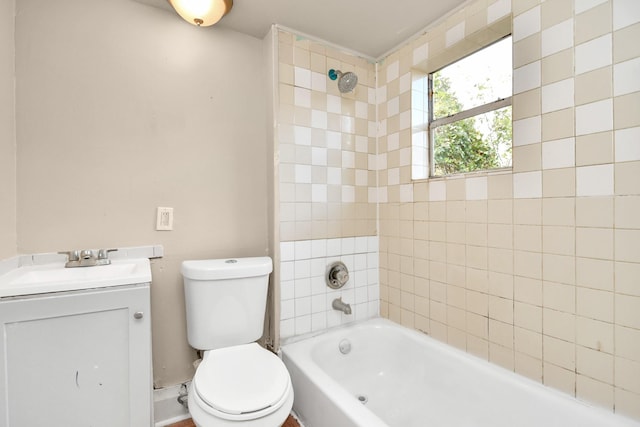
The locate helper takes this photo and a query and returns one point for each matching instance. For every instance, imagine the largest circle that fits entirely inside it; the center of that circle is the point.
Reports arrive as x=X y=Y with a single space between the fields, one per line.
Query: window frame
x=433 y=124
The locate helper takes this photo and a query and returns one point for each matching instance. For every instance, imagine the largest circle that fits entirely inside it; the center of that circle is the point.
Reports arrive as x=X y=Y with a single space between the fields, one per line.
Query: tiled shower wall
x=326 y=146
x=536 y=268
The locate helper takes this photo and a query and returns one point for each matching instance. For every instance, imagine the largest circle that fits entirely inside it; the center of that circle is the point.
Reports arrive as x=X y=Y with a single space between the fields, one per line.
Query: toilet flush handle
x=138 y=315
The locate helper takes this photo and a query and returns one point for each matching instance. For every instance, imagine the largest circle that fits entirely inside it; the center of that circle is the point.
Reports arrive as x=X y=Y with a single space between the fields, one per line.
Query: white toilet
x=238 y=383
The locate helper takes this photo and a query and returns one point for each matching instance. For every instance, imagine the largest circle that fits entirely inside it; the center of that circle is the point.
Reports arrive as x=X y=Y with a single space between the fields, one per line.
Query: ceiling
x=368 y=27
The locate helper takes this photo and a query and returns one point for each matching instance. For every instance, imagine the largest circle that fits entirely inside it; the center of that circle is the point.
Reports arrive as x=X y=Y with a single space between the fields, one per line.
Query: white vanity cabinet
x=79 y=358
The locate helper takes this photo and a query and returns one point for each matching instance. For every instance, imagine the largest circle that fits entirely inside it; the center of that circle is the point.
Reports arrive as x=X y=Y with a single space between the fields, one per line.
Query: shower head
x=346 y=81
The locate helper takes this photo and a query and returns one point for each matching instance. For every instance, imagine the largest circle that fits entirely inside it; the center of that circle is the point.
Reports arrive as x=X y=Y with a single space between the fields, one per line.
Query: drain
x=363 y=399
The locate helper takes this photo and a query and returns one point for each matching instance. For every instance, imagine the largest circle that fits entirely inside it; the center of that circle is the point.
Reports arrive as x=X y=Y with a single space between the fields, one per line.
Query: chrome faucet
x=87 y=258
x=337 y=304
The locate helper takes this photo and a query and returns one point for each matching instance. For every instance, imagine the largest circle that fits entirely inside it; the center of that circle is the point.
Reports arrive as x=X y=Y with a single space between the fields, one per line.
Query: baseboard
x=166 y=408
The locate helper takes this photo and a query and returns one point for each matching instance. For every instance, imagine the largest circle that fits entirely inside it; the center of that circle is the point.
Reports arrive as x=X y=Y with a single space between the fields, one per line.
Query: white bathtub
x=411 y=380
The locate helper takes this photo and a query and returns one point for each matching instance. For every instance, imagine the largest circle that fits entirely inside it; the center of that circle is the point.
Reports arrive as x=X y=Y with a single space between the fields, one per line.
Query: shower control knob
x=337 y=275
x=138 y=315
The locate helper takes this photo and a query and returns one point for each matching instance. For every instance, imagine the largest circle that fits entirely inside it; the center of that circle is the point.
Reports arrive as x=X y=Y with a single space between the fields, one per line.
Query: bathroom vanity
x=75 y=346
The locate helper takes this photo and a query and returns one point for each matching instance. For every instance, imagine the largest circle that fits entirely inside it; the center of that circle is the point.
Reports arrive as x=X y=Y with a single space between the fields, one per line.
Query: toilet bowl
x=243 y=385
x=238 y=383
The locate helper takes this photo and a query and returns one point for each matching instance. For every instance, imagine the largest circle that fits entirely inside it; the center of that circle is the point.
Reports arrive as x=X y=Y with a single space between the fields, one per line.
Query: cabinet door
x=77 y=359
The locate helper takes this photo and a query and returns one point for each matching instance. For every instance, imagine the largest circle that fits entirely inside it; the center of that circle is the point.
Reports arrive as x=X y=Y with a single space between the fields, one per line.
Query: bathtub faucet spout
x=337 y=304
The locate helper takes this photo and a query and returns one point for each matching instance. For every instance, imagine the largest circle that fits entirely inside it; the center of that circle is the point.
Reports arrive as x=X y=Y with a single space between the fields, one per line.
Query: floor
x=290 y=422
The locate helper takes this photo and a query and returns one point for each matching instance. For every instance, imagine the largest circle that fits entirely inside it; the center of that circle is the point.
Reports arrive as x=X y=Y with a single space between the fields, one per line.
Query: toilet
x=238 y=382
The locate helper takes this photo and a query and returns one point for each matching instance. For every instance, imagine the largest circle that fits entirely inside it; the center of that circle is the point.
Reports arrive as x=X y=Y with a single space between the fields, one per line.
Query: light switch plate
x=164 y=220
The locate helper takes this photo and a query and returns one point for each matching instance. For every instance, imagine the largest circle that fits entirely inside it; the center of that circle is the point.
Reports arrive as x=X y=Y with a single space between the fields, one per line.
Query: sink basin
x=54 y=277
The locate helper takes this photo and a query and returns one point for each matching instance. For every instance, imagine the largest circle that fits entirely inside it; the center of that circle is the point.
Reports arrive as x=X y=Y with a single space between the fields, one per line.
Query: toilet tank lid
x=227 y=268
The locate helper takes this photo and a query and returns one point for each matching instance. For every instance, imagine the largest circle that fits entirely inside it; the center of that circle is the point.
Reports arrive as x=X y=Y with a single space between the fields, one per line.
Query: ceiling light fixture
x=202 y=13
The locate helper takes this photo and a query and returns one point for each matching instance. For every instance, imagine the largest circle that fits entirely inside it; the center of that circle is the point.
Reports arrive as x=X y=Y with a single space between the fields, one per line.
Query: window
x=462 y=114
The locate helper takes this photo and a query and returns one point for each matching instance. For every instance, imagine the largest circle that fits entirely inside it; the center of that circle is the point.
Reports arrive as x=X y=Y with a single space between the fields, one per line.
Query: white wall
x=121 y=108
x=7 y=132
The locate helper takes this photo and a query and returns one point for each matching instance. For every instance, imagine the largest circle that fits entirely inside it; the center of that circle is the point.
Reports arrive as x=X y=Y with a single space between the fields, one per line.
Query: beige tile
x=559 y=378
x=456 y=338
x=477 y=257
x=477 y=279
x=558 y=211
x=627 y=245
x=476 y=234
x=478 y=347
x=501 y=356
x=477 y=325
x=594 y=334
x=477 y=302
x=625 y=46
x=500 y=236
x=526 y=51
x=522 y=6
x=528 y=238
x=627 y=403
x=627 y=212
x=627 y=374
x=500 y=260
x=526 y=104
x=528 y=366
x=594 y=212
x=594 y=243
x=554 y=11
x=501 y=309
x=595 y=304
x=626 y=178
x=560 y=353
x=476 y=211
x=626 y=275
x=593 y=23
x=559 y=268
x=593 y=86
x=559 y=240
x=556 y=67
x=559 y=182
x=500 y=211
x=527 y=211
x=527 y=158
x=594 y=391
x=501 y=285
x=456 y=232
x=501 y=333
x=528 y=264
x=626 y=108
x=528 y=316
x=528 y=342
x=558 y=125
x=455 y=189
x=527 y=290
x=627 y=341
x=594 y=273
x=558 y=324
x=627 y=308
x=594 y=149
x=560 y=297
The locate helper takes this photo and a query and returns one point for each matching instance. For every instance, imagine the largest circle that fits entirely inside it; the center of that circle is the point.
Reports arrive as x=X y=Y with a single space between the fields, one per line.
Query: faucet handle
x=86 y=254
x=71 y=255
x=104 y=253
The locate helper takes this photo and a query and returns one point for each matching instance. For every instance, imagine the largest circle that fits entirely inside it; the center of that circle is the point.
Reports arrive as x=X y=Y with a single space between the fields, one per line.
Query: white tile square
x=319 y=193
x=334 y=176
x=318 y=82
x=348 y=159
x=594 y=117
x=420 y=53
x=627 y=144
x=348 y=194
x=557 y=96
x=334 y=104
x=318 y=303
x=393 y=71
x=302 y=288
x=373 y=243
x=287 y=328
x=527 y=131
x=302 y=77
x=497 y=10
x=303 y=324
x=302 y=135
x=594 y=180
x=626 y=77
x=557 y=38
x=382 y=161
x=476 y=188
x=287 y=270
x=393 y=141
x=287 y=251
x=348 y=246
x=318 y=156
x=393 y=176
x=393 y=106
x=318 y=321
x=383 y=195
x=406 y=193
x=318 y=267
x=584 y=5
x=372 y=162
x=625 y=13
x=454 y=34
x=381 y=95
x=287 y=309
x=526 y=24
x=318 y=283
x=318 y=119
x=405 y=120
x=559 y=154
x=302 y=269
x=527 y=185
x=302 y=97
x=593 y=54
x=303 y=174
x=334 y=140
x=405 y=156
x=437 y=191
x=526 y=78
x=347 y=124
x=361 y=295
x=361 y=245
x=287 y=290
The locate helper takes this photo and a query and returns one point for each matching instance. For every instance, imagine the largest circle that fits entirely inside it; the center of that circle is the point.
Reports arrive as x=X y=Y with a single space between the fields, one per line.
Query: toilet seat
x=241 y=382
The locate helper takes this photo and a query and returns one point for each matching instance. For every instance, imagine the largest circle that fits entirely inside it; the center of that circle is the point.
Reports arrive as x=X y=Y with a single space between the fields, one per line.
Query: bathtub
x=379 y=374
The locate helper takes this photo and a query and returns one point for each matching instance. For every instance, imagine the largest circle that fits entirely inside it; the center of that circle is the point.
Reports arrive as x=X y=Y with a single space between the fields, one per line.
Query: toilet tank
x=225 y=300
